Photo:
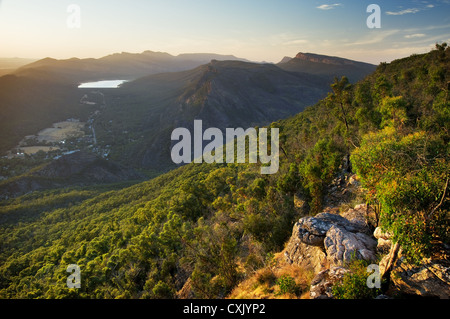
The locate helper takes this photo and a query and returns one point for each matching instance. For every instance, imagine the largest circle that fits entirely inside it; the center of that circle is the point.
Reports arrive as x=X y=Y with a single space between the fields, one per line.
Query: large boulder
x=304 y=255
x=343 y=246
x=313 y=230
x=330 y=239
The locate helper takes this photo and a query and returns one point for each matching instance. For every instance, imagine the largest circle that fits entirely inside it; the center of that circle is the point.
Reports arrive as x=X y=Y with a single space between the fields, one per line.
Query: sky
x=263 y=30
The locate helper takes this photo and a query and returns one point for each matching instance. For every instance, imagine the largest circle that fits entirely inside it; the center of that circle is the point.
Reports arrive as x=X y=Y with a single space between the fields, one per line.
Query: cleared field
x=61 y=131
x=30 y=150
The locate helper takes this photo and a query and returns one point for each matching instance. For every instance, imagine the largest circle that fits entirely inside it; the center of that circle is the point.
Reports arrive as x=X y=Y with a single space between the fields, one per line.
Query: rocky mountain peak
x=285 y=59
x=323 y=59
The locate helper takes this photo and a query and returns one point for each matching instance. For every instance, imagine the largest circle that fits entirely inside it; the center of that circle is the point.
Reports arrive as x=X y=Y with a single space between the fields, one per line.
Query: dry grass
x=263 y=284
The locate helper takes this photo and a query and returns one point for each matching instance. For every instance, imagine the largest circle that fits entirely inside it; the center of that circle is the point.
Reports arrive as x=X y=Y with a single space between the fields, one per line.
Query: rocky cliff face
x=327 y=66
x=327 y=242
x=323 y=59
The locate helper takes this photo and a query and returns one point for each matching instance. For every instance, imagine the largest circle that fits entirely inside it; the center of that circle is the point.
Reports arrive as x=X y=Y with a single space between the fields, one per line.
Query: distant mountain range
x=127 y=66
x=14 y=63
x=131 y=66
x=9 y=65
x=165 y=92
x=45 y=91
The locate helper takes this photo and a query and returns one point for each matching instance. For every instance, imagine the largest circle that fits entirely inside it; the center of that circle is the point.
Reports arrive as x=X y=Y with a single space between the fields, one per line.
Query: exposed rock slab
x=313 y=230
x=329 y=239
x=429 y=279
x=343 y=246
x=304 y=255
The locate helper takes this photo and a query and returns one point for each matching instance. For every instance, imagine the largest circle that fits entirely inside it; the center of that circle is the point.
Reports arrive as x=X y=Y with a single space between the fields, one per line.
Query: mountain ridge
x=221 y=93
x=122 y=65
x=319 y=58
x=327 y=66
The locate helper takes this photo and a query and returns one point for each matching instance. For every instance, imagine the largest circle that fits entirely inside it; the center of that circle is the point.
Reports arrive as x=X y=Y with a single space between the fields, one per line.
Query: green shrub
x=287 y=285
x=354 y=283
x=163 y=291
x=408 y=176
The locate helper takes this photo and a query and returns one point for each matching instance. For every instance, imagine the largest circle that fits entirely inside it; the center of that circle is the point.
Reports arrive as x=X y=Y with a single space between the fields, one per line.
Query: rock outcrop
x=332 y=237
x=313 y=230
x=304 y=255
x=328 y=241
x=342 y=246
x=430 y=279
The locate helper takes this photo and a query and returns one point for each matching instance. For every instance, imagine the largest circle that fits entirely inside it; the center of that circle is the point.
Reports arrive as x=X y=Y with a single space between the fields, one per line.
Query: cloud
x=374 y=38
x=428 y=28
x=402 y=12
x=296 y=42
x=329 y=6
x=415 y=35
x=409 y=10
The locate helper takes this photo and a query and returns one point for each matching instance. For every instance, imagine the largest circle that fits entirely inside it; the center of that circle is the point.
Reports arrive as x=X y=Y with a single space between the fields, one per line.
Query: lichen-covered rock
x=342 y=246
x=312 y=230
x=304 y=255
x=379 y=233
x=330 y=239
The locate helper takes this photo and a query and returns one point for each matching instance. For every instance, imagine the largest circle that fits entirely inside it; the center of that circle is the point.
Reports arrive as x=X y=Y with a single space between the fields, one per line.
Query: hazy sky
x=263 y=30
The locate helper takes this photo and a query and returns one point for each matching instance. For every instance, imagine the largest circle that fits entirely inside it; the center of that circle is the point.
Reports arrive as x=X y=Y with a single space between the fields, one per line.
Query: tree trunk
x=392 y=257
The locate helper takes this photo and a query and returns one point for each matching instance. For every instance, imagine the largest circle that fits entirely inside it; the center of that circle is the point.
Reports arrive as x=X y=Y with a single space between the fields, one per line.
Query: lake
x=109 y=84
